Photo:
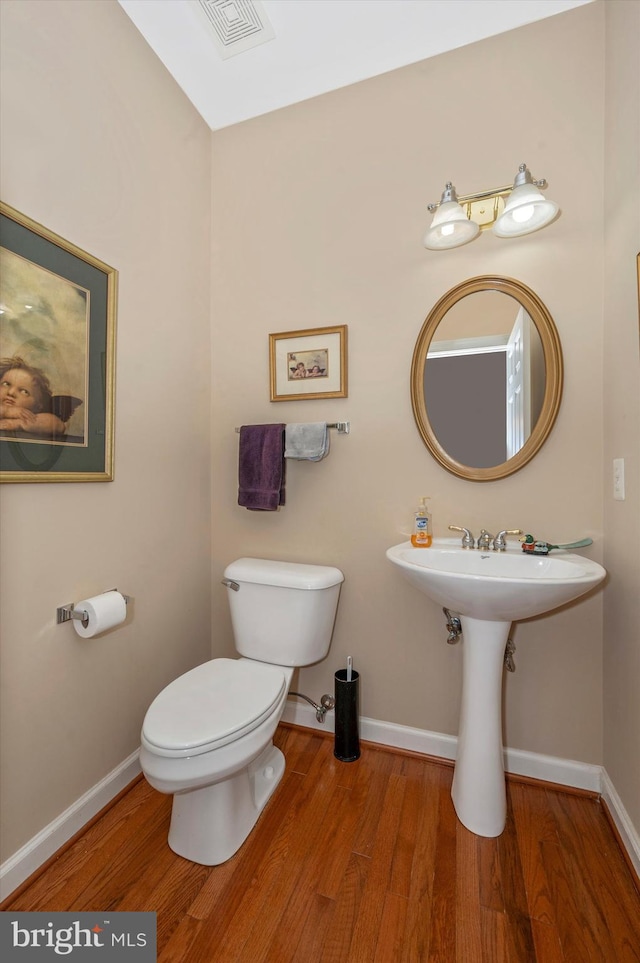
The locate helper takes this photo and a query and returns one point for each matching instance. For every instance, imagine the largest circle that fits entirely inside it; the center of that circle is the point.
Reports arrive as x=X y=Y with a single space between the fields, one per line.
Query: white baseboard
x=37 y=851
x=628 y=833
x=565 y=772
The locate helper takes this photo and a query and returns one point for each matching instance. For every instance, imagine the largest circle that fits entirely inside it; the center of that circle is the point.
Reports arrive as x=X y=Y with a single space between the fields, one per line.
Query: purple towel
x=261 y=467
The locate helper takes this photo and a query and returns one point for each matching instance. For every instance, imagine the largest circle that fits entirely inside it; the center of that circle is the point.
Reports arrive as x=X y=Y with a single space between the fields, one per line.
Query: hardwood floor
x=363 y=862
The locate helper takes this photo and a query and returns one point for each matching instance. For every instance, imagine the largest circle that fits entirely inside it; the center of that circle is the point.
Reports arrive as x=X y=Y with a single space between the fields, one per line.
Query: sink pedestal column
x=478 y=789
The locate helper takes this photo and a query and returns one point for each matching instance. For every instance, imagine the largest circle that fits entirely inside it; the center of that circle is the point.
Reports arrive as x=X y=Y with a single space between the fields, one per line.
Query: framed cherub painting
x=57 y=356
x=307 y=364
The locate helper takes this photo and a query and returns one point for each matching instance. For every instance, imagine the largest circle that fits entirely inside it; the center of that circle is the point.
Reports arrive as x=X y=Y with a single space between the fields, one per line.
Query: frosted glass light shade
x=525 y=211
x=450 y=227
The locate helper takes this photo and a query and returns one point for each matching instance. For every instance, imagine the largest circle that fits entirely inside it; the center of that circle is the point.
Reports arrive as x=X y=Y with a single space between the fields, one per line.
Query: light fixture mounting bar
x=491 y=193
x=479 y=196
x=484 y=195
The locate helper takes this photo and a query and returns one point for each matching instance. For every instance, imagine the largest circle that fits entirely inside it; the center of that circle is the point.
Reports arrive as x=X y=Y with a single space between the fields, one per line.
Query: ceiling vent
x=235 y=25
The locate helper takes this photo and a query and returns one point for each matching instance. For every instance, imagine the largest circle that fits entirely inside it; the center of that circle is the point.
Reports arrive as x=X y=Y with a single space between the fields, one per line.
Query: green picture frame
x=57 y=338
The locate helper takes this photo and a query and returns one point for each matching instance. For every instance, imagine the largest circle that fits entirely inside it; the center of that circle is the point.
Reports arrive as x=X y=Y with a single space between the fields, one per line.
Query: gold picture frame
x=57 y=338
x=308 y=364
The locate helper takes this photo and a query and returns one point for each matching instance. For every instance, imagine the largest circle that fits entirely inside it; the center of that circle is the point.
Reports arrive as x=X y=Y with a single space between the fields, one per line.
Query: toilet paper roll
x=103 y=611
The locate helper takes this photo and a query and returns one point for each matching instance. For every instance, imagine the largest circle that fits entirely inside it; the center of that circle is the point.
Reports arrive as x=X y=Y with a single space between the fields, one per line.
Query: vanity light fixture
x=511 y=211
x=451 y=225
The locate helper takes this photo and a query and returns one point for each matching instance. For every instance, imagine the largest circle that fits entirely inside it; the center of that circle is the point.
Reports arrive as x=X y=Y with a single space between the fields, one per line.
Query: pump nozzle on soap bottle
x=421 y=536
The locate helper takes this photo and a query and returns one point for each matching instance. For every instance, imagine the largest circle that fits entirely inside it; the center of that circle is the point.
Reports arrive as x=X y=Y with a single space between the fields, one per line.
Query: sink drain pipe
x=454 y=627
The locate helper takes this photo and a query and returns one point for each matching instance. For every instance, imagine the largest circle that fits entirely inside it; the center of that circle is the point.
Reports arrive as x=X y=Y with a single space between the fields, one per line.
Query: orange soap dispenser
x=421 y=536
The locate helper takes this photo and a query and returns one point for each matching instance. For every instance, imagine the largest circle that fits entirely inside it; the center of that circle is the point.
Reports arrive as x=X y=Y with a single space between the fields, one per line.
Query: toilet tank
x=283 y=612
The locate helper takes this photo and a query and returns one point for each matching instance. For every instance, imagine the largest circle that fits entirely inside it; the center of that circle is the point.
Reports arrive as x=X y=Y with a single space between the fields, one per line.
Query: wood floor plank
x=391 y=938
x=299 y=753
x=314 y=932
x=494 y=938
x=577 y=943
x=594 y=843
x=141 y=814
x=338 y=946
x=442 y=935
x=347 y=807
x=491 y=895
x=467 y=901
x=161 y=882
x=297 y=897
x=401 y=870
x=433 y=780
x=436 y=789
x=179 y=946
x=367 y=924
x=363 y=862
x=547 y=943
x=287 y=880
x=417 y=935
x=520 y=945
x=605 y=923
x=534 y=824
x=373 y=778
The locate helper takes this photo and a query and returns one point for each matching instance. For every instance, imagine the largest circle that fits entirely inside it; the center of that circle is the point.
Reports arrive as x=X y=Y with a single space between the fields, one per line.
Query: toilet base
x=209 y=825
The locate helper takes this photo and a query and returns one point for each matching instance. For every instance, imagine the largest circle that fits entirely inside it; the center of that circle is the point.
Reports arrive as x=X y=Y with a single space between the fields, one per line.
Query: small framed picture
x=308 y=364
x=57 y=357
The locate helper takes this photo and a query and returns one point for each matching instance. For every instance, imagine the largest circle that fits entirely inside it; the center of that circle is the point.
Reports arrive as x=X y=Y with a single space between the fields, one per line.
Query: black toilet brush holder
x=347 y=738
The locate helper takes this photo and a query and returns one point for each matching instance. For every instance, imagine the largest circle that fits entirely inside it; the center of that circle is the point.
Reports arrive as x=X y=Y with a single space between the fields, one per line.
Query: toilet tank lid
x=262 y=571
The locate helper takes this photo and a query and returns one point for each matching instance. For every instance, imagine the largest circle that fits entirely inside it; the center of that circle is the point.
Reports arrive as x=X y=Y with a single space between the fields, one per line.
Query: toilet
x=207 y=737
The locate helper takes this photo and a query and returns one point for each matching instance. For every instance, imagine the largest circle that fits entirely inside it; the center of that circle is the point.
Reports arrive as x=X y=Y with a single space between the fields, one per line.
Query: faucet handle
x=500 y=541
x=468 y=540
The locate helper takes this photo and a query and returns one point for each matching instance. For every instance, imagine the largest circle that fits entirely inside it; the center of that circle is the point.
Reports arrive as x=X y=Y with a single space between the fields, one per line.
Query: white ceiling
x=319 y=45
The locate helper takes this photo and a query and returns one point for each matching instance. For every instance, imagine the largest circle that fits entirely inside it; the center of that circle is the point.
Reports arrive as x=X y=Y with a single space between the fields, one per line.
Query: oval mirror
x=486 y=378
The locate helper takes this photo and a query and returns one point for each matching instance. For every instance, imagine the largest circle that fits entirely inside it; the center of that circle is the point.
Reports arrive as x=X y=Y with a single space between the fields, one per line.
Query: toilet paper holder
x=65 y=613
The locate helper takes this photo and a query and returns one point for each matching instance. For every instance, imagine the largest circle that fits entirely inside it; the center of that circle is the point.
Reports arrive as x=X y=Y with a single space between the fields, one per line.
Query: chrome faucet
x=500 y=541
x=485 y=540
x=497 y=542
x=468 y=540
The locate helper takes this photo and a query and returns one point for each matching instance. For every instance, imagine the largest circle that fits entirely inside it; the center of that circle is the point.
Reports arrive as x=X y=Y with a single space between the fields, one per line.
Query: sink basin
x=499 y=586
x=489 y=591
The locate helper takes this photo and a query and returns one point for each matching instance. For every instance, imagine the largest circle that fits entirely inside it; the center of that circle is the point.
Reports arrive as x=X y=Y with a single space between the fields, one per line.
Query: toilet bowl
x=207 y=737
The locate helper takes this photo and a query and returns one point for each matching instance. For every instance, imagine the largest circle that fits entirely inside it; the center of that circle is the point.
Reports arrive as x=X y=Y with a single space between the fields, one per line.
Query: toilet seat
x=211 y=706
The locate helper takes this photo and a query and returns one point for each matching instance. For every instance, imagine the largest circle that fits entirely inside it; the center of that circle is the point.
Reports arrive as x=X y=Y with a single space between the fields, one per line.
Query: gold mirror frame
x=552 y=352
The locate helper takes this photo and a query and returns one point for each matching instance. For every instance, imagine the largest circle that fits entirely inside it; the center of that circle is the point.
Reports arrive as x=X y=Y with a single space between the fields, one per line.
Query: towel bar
x=342 y=427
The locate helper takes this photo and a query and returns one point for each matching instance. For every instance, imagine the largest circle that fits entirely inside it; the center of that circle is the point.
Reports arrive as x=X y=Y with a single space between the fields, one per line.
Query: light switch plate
x=618 y=479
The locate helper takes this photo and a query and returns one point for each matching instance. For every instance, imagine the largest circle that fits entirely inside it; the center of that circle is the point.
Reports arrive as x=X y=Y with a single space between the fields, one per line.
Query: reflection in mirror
x=486 y=378
x=498 y=379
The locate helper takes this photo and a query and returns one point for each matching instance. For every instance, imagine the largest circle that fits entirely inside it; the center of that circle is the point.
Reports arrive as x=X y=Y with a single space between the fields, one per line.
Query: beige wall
x=622 y=406
x=318 y=214
x=99 y=145
x=319 y=211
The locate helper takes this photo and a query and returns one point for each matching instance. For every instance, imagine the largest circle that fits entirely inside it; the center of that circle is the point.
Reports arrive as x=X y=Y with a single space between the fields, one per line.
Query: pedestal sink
x=489 y=590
